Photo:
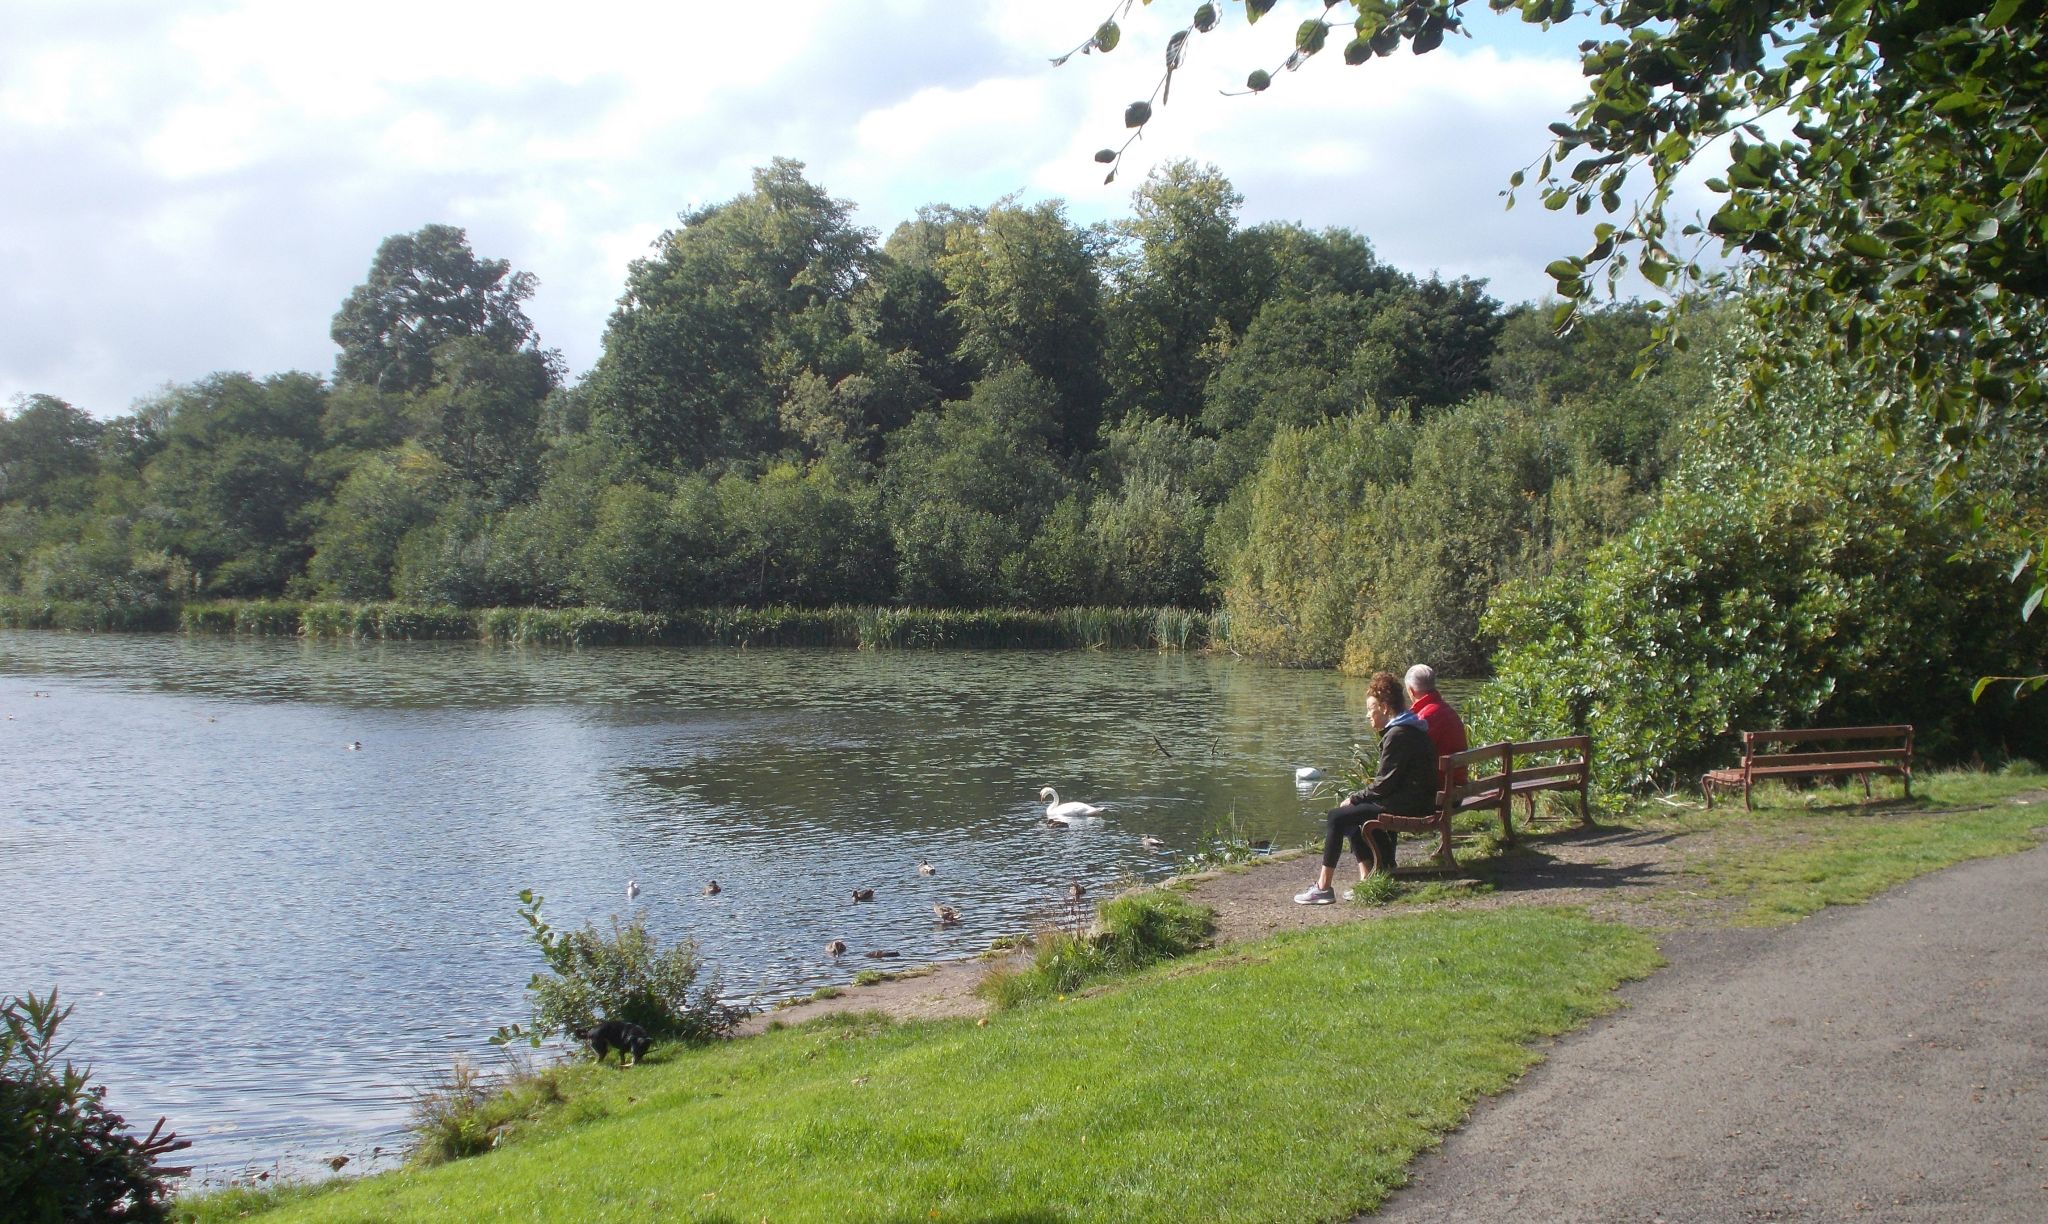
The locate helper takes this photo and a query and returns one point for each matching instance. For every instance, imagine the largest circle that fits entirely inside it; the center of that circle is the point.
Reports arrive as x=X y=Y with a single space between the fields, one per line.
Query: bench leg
x=1707 y=791
x=1747 y=806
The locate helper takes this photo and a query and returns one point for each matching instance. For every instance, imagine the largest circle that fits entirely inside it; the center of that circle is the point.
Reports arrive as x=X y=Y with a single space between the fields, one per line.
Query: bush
x=622 y=974
x=1822 y=592
x=64 y=1155
x=1131 y=932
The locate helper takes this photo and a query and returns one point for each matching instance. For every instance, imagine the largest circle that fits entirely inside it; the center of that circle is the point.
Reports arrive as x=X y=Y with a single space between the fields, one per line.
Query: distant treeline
x=998 y=414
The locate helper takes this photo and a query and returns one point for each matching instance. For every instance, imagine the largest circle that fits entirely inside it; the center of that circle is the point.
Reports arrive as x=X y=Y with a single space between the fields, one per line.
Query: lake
x=273 y=936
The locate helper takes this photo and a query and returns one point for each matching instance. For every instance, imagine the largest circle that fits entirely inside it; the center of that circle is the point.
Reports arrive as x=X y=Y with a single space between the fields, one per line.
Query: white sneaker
x=1316 y=896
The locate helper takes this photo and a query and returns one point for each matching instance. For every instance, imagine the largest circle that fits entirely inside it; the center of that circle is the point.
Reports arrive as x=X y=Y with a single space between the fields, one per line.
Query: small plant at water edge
x=1132 y=931
x=464 y=1114
x=63 y=1154
x=622 y=974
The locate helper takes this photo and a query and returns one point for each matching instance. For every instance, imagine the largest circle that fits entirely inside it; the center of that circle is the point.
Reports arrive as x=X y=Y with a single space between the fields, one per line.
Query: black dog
x=620 y=1035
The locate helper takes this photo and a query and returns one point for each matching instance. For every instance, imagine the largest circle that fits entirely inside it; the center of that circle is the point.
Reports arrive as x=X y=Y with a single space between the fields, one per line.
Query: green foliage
x=1819 y=591
x=426 y=289
x=1131 y=931
x=64 y=1155
x=623 y=974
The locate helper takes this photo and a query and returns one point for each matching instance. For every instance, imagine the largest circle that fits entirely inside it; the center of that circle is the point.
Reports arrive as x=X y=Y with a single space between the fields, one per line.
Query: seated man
x=1446 y=729
x=1405 y=785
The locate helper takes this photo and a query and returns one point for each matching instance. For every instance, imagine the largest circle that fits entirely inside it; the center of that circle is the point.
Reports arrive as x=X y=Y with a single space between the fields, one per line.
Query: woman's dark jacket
x=1407 y=781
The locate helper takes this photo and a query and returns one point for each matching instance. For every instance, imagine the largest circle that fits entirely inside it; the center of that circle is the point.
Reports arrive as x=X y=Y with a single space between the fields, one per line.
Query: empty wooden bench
x=1492 y=780
x=1788 y=754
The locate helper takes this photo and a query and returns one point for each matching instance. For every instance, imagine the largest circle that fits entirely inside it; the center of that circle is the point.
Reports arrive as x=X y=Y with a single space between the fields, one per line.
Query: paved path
x=1886 y=1061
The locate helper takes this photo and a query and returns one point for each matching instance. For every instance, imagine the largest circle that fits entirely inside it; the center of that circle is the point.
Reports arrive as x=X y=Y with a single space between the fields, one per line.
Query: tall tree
x=1026 y=294
x=424 y=290
x=45 y=445
x=1185 y=279
x=717 y=325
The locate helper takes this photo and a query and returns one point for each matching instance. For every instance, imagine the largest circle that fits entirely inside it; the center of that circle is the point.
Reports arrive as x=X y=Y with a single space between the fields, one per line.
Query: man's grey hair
x=1421 y=679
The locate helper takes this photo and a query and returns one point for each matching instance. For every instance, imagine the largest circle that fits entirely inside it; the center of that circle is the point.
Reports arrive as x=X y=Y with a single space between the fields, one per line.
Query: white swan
x=1069 y=812
x=1308 y=773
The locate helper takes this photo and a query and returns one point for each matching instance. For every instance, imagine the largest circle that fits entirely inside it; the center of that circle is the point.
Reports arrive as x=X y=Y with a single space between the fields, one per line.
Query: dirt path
x=1612 y=871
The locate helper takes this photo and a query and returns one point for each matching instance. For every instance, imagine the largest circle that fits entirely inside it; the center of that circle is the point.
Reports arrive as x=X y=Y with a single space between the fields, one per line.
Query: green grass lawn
x=1289 y=1079
x=1803 y=850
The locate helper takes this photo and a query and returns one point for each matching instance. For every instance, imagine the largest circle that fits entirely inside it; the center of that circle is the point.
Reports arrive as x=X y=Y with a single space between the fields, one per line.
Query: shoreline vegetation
x=1108 y=1096
x=849 y=627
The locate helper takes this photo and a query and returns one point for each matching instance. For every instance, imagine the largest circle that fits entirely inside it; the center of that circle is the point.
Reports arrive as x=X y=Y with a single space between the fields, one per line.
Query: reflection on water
x=271 y=937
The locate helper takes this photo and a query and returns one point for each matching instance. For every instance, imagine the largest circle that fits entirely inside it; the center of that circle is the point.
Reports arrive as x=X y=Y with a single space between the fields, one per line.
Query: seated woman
x=1406 y=786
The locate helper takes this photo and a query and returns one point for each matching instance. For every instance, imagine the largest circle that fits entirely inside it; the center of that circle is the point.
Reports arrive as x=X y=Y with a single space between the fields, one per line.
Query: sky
x=195 y=185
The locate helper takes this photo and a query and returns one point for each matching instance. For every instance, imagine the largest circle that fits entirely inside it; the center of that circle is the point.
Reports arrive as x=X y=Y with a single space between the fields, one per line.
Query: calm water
x=271 y=937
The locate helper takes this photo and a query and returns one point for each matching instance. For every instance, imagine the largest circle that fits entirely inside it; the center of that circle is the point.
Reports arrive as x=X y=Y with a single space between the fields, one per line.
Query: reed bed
x=18 y=612
x=863 y=628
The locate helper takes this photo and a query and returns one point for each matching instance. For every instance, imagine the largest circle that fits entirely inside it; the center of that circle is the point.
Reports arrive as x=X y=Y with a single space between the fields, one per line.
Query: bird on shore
x=712 y=889
x=632 y=889
x=924 y=867
x=863 y=894
x=836 y=948
x=1066 y=813
x=947 y=915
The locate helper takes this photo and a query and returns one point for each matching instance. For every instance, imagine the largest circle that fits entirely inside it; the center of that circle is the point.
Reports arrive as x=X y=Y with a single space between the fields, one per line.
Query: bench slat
x=1793 y=760
x=1806 y=735
x=1574 y=771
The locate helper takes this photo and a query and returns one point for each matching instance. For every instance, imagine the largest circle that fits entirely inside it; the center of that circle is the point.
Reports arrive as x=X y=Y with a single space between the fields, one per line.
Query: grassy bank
x=1804 y=850
x=866 y=628
x=1289 y=1079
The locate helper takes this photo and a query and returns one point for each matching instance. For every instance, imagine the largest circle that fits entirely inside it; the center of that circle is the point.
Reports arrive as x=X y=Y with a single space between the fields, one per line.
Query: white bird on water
x=632 y=889
x=1308 y=773
x=1069 y=812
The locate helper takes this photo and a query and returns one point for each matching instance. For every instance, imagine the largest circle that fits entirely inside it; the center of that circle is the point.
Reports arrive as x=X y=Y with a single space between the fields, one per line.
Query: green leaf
x=2001 y=13
x=1137 y=114
x=1310 y=36
x=1866 y=246
x=2033 y=602
x=1357 y=51
x=1107 y=36
x=1205 y=19
x=1258 y=81
x=1255 y=9
x=1105 y=155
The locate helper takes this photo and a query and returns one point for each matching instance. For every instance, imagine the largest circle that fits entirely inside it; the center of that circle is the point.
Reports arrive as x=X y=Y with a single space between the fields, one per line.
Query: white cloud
x=197 y=183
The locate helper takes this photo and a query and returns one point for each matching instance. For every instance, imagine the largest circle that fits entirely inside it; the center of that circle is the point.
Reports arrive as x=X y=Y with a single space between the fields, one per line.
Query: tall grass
x=22 y=613
x=1131 y=932
x=864 y=628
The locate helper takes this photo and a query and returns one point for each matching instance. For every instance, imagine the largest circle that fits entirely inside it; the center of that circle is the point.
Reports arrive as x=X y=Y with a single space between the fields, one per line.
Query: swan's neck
x=1055 y=797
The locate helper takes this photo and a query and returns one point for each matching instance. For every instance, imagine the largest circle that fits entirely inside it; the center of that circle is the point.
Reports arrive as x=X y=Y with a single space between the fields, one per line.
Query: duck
x=632 y=889
x=863 y=894
x=1075 y=892
x=355 y=745
x=1308 y=773
x=947 y=915
x=836 y=948
x=1066 y=813
x=925 y=868
x=1151 y=843
x=880 y=954
x=712 y=889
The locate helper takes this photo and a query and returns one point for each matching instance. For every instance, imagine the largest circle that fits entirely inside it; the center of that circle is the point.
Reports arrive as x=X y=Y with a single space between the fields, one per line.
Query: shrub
x=623 y=974
x=1131 y=932
x=63 y=1154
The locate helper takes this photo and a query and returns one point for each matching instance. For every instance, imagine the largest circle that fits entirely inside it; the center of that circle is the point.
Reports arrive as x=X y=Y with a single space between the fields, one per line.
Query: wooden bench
x=1567 y=769
x=1879 y=750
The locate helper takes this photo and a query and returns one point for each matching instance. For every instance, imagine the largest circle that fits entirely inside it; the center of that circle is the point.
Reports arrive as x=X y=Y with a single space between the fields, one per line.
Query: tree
x=729 y=312
x=1184 y=278
x=1026 y=294
x=1883 y=181
x=425 y=289
x=45 y=446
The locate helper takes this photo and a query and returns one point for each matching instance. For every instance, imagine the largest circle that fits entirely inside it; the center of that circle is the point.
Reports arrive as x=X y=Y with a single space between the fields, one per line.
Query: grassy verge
x=1289 y=1079
x=1804 y=850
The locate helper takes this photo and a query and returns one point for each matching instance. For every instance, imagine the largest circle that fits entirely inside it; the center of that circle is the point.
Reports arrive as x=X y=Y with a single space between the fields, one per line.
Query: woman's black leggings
x=1342 y=824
